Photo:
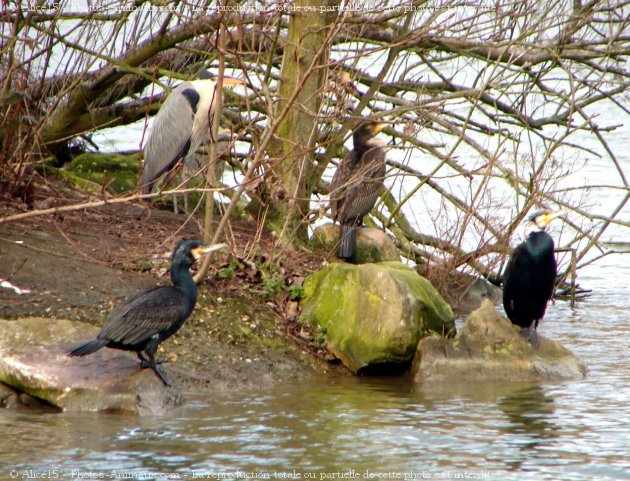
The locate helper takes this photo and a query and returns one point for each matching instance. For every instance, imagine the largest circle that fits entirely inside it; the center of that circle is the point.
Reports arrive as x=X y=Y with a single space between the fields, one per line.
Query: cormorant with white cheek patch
x=530 y=276
x=357 y=184
x=144 y=320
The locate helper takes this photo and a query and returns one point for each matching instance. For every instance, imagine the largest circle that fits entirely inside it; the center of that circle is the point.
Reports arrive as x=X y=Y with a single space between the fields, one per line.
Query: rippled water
x=365 y=426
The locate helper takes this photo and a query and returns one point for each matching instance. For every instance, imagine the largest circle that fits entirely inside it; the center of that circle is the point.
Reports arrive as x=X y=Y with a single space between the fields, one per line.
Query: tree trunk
x=290 y=184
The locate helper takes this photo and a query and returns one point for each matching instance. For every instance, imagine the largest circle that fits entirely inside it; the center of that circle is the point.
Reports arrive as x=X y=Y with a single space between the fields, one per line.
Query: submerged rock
x=33 y=361
x=373 y=245
x=489 y=346
x=468 y=295
x=373 y=314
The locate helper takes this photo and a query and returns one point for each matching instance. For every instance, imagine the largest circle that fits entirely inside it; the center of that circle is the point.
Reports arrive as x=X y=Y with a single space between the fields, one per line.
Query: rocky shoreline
x=380 y=317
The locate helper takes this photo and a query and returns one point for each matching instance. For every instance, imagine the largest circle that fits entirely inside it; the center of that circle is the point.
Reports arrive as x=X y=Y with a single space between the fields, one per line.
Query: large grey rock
x=373 y=245
x=373 y=314
x=490 y=347
x=33 y=361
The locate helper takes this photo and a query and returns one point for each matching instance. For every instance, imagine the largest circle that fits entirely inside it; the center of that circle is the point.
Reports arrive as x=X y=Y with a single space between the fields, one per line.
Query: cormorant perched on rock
x=357 y=183
x=142 y=321
x=530 y=276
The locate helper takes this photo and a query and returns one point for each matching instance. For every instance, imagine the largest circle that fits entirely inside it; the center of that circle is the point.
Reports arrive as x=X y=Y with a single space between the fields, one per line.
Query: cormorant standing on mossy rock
x=357 y=184
x=530 y=276
x=142 y=321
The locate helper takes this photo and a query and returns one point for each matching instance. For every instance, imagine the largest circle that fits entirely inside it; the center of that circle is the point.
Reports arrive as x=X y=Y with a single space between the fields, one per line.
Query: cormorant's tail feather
x=88 y=348
x=347 y=241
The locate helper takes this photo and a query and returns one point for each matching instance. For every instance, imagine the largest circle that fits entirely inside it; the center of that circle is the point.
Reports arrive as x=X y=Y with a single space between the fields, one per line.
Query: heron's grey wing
x=143 y=315
x=170 y=135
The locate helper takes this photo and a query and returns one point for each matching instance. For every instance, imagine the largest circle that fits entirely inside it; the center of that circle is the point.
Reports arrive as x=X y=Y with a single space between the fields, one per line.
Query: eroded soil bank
x=77 y=265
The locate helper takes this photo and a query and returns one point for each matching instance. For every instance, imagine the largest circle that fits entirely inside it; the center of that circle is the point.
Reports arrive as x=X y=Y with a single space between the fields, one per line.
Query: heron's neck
x=207 y=93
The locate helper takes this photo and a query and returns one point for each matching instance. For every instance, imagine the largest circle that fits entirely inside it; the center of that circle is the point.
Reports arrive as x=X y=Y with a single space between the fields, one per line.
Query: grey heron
x=180 y=126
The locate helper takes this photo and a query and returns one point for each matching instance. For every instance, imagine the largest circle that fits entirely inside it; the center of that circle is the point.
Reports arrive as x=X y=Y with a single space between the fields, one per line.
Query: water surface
x=367 y=427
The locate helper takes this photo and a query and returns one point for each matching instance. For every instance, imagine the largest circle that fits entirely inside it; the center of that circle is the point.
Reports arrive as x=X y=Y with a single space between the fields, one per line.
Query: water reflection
x=354 y=423
x=529 y=411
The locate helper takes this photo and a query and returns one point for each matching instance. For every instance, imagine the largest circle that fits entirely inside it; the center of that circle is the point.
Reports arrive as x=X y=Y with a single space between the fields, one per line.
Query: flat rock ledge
x=34 y=370
x=490 y=347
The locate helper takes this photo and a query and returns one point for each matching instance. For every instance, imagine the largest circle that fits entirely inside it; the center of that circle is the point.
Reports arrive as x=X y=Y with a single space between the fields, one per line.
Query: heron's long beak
x=550 y=215
x=204 y=250
x=232 y=81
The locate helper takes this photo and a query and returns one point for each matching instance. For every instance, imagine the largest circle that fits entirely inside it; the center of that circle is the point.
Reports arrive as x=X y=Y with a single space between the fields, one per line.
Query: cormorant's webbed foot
x=161 y=375
x=150 y=362
x=144 y=362
x=531 y=334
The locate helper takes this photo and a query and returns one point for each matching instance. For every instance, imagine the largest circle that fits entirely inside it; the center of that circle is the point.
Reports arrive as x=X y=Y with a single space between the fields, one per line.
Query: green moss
x=145 y=266
x=372 y=245
x=80 y=182
x=373 y=313
x=322 y=305
x=119 y=173
x=424 y=290
x=504 y=351
x=47 y=395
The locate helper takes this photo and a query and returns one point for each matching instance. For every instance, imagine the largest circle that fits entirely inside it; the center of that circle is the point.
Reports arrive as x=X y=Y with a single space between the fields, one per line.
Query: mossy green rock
x=489 y=347
x=117 y=172
x=33 y=361
x=373 y=314
x=373 y=245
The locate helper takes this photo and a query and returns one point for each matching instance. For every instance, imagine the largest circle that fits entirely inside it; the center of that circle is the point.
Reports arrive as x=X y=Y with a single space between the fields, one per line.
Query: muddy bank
x=77 y=266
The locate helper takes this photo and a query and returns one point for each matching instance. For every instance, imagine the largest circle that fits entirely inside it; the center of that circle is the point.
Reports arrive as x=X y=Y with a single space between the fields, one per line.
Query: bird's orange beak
x=232 y=81
x=380 y=126
x=546 y=217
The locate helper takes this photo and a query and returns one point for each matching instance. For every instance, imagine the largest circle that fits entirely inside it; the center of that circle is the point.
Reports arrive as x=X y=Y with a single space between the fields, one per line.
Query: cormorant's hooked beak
x=204 y=250
x=378 y=127
x=547 y=216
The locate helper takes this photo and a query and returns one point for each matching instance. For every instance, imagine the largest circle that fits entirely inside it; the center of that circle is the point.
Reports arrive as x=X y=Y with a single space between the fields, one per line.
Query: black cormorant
x=357 y=183
x=142 y=321
x=530 y=276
